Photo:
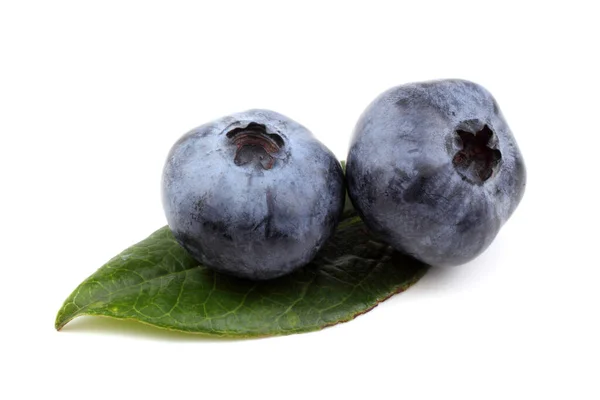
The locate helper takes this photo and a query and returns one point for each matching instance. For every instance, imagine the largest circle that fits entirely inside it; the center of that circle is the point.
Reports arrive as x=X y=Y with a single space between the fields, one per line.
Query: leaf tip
x=61 y=320
x=58 y=324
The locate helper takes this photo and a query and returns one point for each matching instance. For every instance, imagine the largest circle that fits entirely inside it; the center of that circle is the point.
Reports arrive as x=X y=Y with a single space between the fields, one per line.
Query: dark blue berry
x=434 y=169
x=253 y=194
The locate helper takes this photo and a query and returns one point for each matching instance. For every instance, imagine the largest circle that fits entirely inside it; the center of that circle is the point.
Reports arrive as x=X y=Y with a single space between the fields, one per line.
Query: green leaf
x=157 y=282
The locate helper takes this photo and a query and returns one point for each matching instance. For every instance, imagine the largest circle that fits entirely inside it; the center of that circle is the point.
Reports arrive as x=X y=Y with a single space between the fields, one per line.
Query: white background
x=93 y=94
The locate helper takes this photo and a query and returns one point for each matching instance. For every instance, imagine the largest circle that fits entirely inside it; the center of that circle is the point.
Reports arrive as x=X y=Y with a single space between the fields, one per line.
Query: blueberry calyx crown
x=255 y=145
x=476 y=161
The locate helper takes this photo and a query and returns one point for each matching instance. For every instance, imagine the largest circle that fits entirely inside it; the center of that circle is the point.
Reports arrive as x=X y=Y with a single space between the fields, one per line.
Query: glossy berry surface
x=434 y=170
x=252 y=194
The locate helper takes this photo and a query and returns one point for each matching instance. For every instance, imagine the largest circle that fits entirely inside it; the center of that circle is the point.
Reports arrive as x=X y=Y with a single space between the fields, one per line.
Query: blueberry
x=252 y=194
x=434 y=169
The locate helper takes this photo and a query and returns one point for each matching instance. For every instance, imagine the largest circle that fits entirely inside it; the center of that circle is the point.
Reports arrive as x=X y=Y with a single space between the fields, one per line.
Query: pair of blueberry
x=433 y=169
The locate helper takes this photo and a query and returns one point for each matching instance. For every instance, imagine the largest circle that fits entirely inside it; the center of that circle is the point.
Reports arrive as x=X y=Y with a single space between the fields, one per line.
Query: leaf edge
x=213 y=334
